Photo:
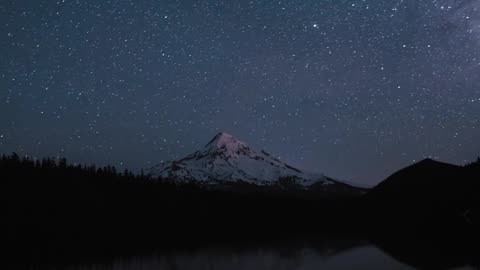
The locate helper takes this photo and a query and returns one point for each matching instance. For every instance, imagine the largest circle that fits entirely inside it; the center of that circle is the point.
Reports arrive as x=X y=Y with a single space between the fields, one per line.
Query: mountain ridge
x=225 y=159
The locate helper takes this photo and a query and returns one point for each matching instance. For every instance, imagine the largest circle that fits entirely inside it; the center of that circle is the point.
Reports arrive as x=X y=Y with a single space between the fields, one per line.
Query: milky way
x=354 y=89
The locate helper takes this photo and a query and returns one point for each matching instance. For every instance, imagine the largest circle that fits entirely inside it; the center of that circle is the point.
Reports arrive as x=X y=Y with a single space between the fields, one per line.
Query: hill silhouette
x=429 y=191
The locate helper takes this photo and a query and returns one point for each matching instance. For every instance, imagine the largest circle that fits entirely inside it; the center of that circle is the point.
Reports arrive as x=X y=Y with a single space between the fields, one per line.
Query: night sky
x=355 y=89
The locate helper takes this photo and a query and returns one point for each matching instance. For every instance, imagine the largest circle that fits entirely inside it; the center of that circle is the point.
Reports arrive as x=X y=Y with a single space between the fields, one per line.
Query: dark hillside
x=429 y=191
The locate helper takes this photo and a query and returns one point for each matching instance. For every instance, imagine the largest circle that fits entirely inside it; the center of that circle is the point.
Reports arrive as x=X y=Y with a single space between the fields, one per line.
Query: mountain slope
x=428 y=191
x=423 y=180
x=225 y=159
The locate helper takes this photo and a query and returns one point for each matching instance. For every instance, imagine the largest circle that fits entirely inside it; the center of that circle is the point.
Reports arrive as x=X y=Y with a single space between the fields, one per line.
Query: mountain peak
x=431 y=162
x=221 y=137
x=225 y=158
x=427 y=161
x=226 y=142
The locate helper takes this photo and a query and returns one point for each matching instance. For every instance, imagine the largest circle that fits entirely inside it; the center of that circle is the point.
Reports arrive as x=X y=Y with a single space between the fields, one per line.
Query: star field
x=354 y=89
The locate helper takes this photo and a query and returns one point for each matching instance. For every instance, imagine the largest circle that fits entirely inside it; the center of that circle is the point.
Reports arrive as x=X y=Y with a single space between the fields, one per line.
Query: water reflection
x=364 y=257
x=313 y=252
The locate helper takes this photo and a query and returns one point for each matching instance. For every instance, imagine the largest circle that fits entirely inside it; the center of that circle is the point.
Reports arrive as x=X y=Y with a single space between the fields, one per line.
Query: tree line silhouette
x=50 y=206
x=14 y=162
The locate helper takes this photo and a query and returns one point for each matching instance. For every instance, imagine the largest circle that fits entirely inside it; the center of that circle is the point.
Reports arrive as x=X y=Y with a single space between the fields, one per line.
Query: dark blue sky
x=355 y=89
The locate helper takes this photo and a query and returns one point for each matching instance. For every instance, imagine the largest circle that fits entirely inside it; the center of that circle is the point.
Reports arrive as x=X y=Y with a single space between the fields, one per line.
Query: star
x=327 y=87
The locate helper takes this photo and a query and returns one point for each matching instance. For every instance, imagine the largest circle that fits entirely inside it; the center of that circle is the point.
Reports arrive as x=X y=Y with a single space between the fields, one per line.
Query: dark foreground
x=58 y=215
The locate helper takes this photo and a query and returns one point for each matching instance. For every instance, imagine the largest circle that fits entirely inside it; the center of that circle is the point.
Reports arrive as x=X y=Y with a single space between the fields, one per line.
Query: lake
x=298 y=256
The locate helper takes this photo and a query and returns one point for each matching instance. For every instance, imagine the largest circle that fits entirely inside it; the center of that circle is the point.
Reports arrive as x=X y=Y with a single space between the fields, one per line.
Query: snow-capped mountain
x=226 y=159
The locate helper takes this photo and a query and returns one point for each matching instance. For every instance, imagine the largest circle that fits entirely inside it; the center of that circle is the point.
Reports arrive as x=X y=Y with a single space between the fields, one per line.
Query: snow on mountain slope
x=225 y=158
